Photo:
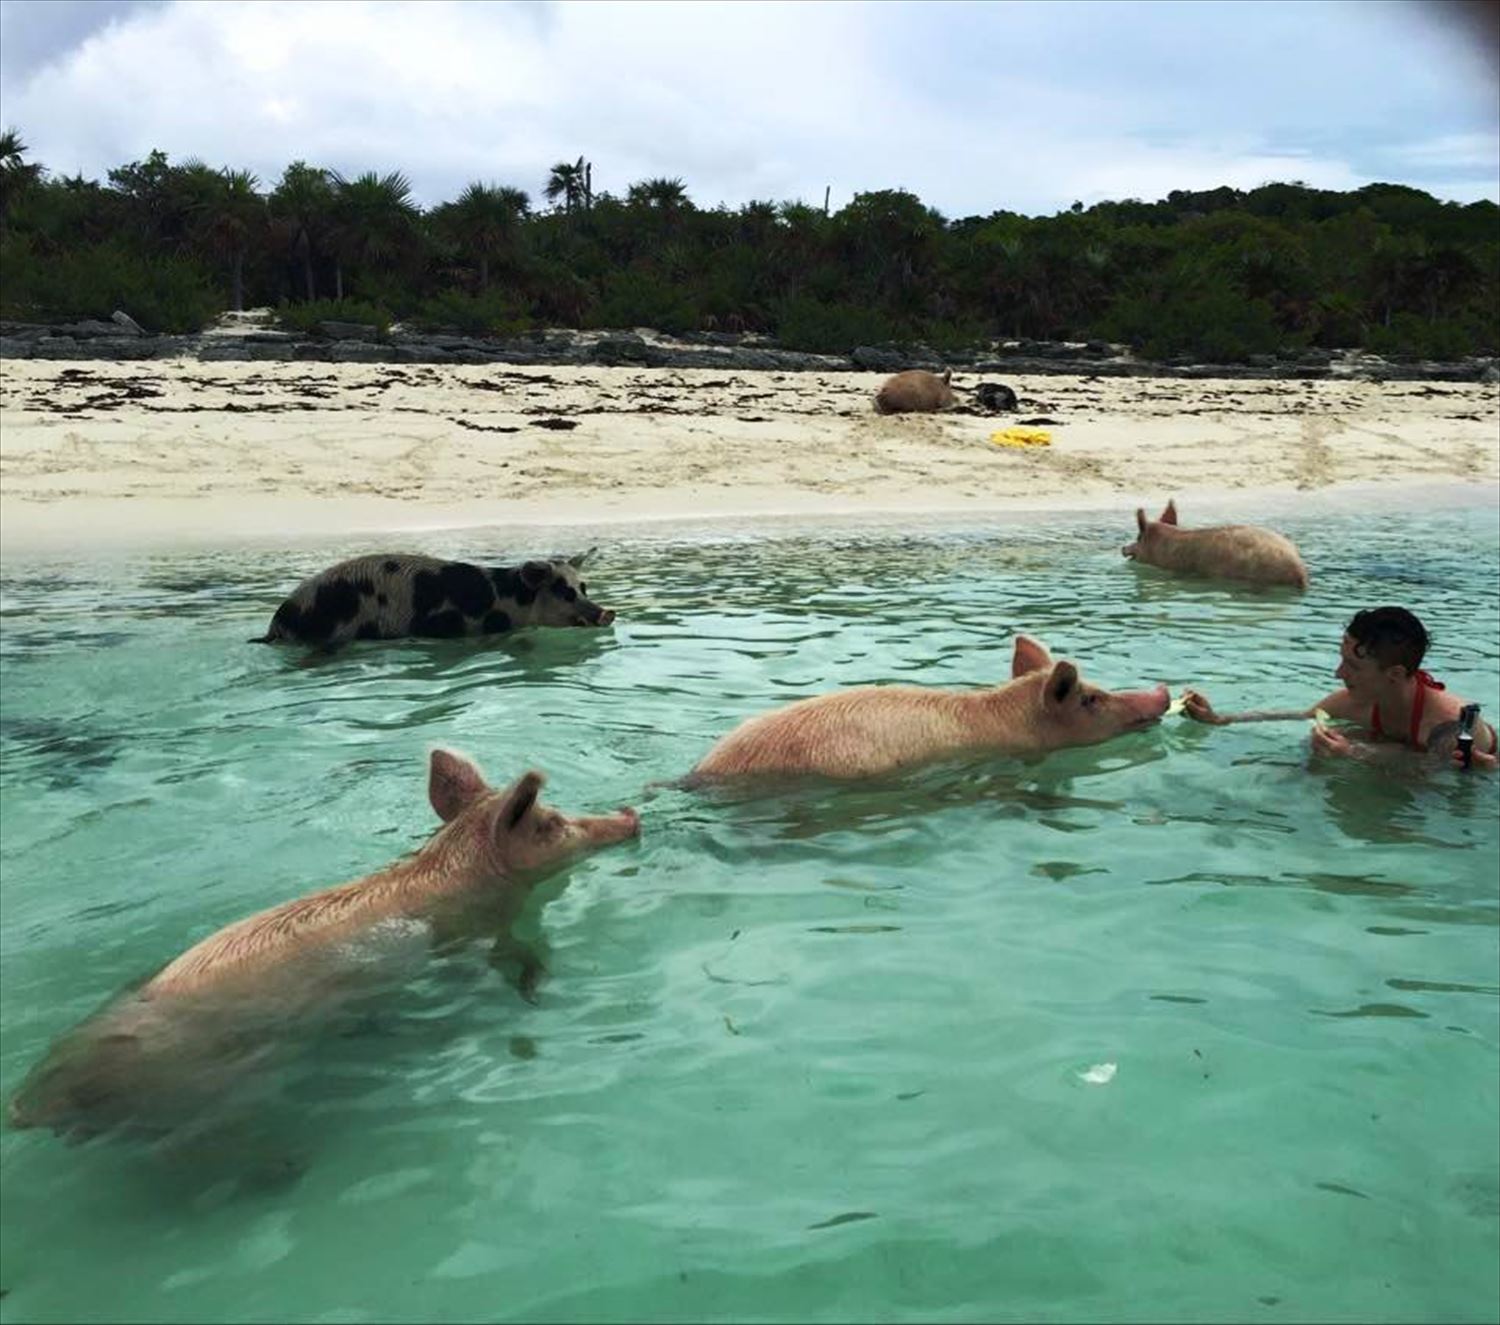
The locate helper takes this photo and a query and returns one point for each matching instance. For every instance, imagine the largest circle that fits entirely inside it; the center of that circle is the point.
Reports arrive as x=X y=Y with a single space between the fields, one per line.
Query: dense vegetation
x=1217 y=275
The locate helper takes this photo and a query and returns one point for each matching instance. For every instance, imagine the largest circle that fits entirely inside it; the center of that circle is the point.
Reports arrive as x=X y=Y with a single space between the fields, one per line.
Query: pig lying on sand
x=391 y=595
x=1230 y=551
x=915 y=392
x=165 y=1049
x=873 y=730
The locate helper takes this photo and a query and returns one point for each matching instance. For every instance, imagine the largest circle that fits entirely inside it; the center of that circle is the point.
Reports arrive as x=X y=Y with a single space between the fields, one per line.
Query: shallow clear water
x=824 y=1055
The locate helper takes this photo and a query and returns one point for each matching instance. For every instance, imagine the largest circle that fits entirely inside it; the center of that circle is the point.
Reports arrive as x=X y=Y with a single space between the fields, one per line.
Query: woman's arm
x=1340 y=704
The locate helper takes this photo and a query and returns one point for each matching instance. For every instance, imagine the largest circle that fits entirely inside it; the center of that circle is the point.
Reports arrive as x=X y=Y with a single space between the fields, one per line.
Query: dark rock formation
x=241 y=337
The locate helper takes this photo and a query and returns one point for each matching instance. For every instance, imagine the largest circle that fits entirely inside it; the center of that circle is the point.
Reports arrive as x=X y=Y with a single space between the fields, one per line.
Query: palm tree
x=800 y=232
x=228 y=216
x=757 y=223
x=16 y=175
x=666 y=196
x=302 y=210
x=572 y=183
x=376 y=221
x=486 y=221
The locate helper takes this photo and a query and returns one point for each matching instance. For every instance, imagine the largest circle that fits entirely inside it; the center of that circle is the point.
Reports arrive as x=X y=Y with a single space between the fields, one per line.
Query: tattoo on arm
x=1442 y=740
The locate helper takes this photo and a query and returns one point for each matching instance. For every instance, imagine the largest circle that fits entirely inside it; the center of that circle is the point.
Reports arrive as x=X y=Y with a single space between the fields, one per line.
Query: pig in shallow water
x=162 y=1052
x=1230 y=552
x=393 y=595
x=873 y=730
x=915 y=392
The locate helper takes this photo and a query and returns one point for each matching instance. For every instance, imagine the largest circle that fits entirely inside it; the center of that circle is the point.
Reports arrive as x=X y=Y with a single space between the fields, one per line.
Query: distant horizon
x=1023 y=108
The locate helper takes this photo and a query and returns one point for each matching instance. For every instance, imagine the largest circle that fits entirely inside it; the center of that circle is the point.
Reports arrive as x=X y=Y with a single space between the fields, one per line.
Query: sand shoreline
x=104 y=525
x=123 y=454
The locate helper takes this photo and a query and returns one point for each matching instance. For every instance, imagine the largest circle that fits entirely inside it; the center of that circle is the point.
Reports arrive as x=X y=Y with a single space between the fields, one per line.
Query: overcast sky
x=972 y=106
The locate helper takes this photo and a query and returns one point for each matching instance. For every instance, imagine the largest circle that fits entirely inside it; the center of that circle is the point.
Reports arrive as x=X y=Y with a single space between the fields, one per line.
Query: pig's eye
x=1091 y=701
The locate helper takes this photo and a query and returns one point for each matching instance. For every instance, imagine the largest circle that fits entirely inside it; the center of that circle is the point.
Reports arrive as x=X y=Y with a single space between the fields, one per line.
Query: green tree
x=17 y=175
x=573 y=183
x=230 y=217
x=665 y=197
x=891 y=236
x=302 y=210
x=485 y=222
x=158 y=199
x=375 y=224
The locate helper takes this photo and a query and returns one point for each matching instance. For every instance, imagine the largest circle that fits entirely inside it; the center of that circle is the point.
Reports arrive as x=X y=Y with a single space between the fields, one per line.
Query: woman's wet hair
x=1391 y=636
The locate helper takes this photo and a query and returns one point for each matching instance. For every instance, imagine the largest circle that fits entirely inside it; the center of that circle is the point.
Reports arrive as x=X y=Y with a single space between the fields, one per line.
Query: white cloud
x=1477 y=153
x=973 y=107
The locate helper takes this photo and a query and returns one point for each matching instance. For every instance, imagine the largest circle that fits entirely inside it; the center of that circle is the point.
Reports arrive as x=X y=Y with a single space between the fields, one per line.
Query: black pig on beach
x=397 y=595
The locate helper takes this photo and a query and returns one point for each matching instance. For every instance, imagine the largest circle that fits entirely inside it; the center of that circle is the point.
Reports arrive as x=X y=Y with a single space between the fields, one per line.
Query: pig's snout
x=1149 y=705
x=1130 y=550
x=606 y=617
x=620 y=826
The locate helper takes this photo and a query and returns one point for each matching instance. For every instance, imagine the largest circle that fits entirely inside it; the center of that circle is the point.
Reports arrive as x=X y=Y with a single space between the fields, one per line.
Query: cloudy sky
x=973 y=106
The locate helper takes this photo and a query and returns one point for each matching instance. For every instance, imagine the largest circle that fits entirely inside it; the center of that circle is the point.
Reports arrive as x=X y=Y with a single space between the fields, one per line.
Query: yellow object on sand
x=1021 y=437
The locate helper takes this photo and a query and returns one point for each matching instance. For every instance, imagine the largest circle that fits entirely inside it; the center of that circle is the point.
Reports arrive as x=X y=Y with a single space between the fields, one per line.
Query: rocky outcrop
x=253 y=337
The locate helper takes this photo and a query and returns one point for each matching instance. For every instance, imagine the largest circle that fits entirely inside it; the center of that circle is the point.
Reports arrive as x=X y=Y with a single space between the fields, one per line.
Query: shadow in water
x=803 y=808
x=531 y=654
x=1154 y=585
x=1398 y=800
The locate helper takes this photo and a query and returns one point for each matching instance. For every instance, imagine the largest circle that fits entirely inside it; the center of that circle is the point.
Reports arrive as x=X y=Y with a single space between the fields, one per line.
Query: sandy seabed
x=98 y=453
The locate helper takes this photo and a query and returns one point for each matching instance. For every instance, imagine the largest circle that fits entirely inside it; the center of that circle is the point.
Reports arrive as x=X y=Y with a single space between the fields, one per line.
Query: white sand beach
x=93 y=453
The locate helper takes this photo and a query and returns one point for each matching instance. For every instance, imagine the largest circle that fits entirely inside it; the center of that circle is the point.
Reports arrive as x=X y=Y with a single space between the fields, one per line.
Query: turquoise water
x=825 y=1055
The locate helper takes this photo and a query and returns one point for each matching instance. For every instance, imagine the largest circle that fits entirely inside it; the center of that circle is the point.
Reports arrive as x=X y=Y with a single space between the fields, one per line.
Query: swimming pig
x=873 y=730
x=1230 y=551
x=915 y=392
x=158 y=1054
x=388 y=596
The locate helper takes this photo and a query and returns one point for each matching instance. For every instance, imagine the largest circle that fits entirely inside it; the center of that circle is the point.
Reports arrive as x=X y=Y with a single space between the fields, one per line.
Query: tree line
x=1219 y=274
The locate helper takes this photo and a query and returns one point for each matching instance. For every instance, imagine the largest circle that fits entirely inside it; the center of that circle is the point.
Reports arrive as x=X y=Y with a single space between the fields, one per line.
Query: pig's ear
x=1028 y=657
x=518 y=801
x=452 y=784
x=947 y=376
x=1140 y=518
x=1169 y=516
x=1061 y=683
x=534 y=574
x=579 y=561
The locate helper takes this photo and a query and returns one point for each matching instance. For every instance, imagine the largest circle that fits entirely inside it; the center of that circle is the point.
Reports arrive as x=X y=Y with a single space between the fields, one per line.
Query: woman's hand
x=1198 y=708
x=1481 y=760
x=1326 y=741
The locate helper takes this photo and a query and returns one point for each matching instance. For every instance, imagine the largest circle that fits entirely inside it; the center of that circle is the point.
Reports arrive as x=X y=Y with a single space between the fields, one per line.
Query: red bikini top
x=1425 y=682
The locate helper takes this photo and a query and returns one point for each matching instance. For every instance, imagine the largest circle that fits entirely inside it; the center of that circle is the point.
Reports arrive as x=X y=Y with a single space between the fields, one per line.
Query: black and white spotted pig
x=394 y=595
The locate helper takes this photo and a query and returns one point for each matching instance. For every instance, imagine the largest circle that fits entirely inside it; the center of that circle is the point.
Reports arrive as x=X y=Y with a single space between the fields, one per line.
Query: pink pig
x=159 y=1052
x=873 y=730
x=1230 y=551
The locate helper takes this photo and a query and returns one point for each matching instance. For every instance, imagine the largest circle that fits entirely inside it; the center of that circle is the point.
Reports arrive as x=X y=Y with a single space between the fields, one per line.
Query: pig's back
x=1244 y=552
x=854 y=733
x=914 y=391
x=277 y=936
